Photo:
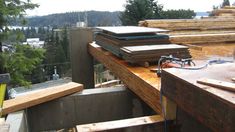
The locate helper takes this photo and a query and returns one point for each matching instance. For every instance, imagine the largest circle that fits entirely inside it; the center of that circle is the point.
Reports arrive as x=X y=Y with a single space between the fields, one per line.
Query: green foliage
x=225 y=3
x=178 y=14
x=136 y=10
x=10 y=10
x=21 y=62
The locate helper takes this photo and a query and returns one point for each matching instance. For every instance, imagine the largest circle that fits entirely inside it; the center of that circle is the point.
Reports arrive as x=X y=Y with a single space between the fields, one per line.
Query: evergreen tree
x=136 y=10
x=225 y=3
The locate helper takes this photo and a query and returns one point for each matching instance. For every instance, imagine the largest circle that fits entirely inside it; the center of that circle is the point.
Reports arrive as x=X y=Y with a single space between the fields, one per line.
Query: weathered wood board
x=213 y=107
x=38 y=97
x=118 y=124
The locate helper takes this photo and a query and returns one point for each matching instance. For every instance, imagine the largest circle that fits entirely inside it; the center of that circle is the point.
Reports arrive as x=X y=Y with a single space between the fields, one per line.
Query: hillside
x=95 y=18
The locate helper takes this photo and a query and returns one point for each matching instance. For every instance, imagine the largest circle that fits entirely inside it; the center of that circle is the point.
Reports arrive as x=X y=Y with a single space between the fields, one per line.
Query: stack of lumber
x=114 y=38
x=227 y=11
x=207 y=37
x=151 y=53
x=190 y=24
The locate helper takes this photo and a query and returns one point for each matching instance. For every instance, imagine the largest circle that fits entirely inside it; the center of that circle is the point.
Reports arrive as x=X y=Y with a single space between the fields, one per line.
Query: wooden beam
x=126 y=123
x=140 y=80
x=203 y=38
x=217 y=84
x=35 y=98
x=190 y=24
x=211 y=106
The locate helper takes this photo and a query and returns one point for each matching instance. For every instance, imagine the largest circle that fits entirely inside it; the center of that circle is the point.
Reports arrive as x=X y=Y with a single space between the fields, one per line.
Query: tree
x=225 y=3
x=10 y=10
x=178 y=14
x=136 y=10
x=21 y=63
x=65 y=43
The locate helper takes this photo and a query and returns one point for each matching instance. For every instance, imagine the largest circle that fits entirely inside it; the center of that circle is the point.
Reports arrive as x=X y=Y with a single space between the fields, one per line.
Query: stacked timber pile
x=139 y=44
x=227 y=11
x=210 y=37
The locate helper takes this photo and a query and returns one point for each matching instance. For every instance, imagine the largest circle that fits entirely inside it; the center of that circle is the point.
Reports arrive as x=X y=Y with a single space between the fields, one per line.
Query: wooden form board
x=190 y=24
x=202 y=38
x=217 y=84
x=213 y=107
x=125 y=123
x=39 y=97
x=140 y=80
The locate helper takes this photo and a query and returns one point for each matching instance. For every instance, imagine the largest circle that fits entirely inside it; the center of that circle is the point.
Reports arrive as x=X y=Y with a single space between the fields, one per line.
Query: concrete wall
x=90 y=106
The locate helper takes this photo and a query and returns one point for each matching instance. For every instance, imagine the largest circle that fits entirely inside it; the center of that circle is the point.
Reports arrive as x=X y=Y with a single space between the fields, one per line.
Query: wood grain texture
x=125 y=123
x=140 y=80
x=39 y=97
x=217 y=84
x=190 y=24
x=203 y=38
x=213 y=107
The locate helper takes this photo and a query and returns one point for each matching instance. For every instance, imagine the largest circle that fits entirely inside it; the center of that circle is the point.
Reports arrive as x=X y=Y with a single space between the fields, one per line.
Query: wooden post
x=81 y=60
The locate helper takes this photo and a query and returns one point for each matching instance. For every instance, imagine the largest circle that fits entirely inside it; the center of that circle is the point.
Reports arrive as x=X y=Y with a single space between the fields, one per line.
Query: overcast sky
x=59 y=6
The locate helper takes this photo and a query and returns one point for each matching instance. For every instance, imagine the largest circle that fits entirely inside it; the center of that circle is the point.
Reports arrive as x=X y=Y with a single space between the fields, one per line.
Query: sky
x=59 y=6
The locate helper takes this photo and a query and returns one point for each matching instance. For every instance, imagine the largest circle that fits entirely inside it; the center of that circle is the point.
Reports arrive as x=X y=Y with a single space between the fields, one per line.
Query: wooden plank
x=203 y=38
x=140 y=80
x=126 y=123
x=190 y=24
x=211 y=106
x=39 y=97
x=217 y=84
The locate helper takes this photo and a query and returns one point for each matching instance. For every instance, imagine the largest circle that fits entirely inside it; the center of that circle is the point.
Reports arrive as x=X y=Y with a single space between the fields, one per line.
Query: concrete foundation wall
x=90 y=106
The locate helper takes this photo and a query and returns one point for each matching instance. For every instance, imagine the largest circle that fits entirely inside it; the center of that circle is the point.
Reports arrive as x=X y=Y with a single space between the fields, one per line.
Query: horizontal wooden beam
x=140 y=80
x=119 y=124
x=203 y=38
x=41 y=96
x=190 y=24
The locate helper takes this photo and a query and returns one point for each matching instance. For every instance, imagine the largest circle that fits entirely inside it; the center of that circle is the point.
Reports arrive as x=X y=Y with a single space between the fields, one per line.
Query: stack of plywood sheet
x=151 y=53
x=138 y=44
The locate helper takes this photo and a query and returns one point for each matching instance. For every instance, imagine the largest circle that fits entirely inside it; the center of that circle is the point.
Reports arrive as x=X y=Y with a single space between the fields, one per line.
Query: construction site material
x=39 y=97
x=112 y=125
x=211 y=106
x=190 y=24
x=203 y=38
x=82 y=62
x=152 y=53
x=217 y=84
x=140 y=80
x=213 y=50
x=120 y=30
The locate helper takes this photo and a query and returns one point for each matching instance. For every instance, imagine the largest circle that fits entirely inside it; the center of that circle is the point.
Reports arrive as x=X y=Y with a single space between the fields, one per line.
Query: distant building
x=81 y=24
x=34 y=42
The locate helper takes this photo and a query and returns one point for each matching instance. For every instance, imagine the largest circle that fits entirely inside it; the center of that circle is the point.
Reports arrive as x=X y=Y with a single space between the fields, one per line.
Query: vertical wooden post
x=81 y=60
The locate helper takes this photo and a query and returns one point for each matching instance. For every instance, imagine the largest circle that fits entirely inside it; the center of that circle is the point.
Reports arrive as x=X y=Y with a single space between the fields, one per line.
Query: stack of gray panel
x=138 y=44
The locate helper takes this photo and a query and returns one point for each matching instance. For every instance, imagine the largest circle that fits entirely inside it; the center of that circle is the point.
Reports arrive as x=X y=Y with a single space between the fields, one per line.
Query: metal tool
x=170 y=61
